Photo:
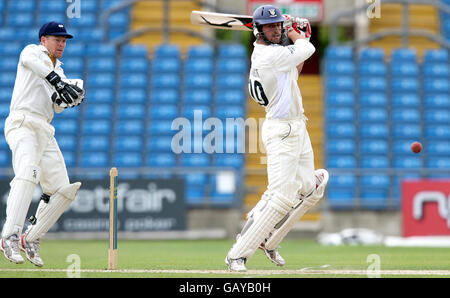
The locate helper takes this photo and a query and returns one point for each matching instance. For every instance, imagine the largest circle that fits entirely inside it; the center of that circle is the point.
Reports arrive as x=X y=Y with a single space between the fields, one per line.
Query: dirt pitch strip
x=249 y=272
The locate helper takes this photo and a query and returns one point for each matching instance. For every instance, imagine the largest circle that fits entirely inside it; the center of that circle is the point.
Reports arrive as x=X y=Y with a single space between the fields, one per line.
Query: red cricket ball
x=416 y=147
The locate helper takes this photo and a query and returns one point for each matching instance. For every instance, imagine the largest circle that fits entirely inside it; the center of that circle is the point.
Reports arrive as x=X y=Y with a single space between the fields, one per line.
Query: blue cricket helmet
x=267 y=14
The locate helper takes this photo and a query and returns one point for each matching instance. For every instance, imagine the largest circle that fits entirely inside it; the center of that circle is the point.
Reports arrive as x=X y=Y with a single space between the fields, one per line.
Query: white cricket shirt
x=32 y=92
x=273 y=78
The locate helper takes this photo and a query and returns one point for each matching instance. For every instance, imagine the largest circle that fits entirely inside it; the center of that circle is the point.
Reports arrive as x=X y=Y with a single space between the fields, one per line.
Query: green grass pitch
x=205 y=259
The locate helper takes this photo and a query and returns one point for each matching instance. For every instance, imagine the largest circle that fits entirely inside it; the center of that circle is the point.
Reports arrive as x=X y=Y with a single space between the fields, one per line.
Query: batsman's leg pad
x=19 y=199
x=286 y=224
x=49 y=213
x=266 y=214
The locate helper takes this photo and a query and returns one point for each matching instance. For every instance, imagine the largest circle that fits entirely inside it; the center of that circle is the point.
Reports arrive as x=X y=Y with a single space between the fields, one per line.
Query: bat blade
x=222 y=20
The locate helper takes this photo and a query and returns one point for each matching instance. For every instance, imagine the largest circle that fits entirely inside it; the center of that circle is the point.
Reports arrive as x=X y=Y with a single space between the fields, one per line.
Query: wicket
x=112 y=257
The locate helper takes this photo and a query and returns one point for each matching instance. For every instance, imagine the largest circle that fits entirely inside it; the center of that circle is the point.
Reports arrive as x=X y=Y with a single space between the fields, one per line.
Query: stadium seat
x=439 y=162
x=167 y=50
x=67 y=142
x=230 y=111
x=405 y=84
x=341 y=161
x=96 y=126
x=373 y=146
x=165 y=80
x=197 y=96
x=437 y=100
x=340 y=114
x=127 y=159
x=101 y=65
x=406 y=130
x=100 y=95
x=402 y=115
x=159 y=144
x=74 y=49
x=6 y=94
x=129 y=127
x=436 y=85
x=165 y=96
x=229 y=160
x=403 y=55
x=65 y=126
x=399 y=100
x=340 y=68
x=166 y=65
x=89 y=20
x=404 y=69
x=340 y=98
x=374 y=130
x=98 y=111
x=407 y=162
x=372 y=55
x=373 y=98
x=189 y=111
x=233 y=96
x=94 y=159
x=199 y=65
x=436 y=70
x=133 y=80
x=198 y=80
x=160 y=127
x=195 y=194
x=161 y=160
x=163 y=111
x=374 y=199
x=438 y=116
x=372 y=84
x=19 y=19
x=95 y=143
x=375 y=161
x=134 y=65
x=339 y=53
x=195 y=160
x=100 y=80
x=132 y=96
x=131 y=111
x=340 y=146
x=135 y=51
x=340 y=83
x=4 y=110
x=233 y=65
x=232 y=51
x=341 y=198
x=373 y=115
x=200 y=51
x=437 y=131
x=128 y=143
x=340 y=129
x=343 y=180
x=438 y=147
x=372 y=69
x=437 y=55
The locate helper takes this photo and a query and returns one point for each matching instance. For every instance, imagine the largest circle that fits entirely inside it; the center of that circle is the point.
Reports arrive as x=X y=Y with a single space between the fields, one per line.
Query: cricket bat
x=222 y=20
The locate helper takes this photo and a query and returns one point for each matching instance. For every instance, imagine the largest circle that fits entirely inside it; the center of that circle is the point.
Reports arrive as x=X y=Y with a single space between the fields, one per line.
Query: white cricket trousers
x=290 y=157
x=36 y=158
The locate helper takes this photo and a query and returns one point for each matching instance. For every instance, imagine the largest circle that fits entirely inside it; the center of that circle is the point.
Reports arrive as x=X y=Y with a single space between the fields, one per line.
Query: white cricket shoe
x=272 y=255
x=322 y=177
x=31 y=250
x=10 y=248
x=235 y=265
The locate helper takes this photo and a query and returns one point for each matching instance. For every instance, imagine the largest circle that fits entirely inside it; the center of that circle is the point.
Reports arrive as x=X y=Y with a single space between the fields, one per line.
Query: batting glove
x=303 y=27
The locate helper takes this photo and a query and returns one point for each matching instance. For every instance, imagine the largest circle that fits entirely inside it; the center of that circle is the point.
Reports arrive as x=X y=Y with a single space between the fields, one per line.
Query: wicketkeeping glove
x=67 y=93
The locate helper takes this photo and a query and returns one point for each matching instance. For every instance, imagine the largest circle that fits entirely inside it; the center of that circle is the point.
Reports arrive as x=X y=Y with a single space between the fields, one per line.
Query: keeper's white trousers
x=36 y=158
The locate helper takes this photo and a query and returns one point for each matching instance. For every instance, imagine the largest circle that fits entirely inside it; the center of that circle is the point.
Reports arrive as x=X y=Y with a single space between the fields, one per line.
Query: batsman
x=293 y=184
x=40 y=90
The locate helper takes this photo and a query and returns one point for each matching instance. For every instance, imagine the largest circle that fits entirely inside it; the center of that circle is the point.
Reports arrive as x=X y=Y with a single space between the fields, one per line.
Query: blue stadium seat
x=199 y=65
x=341 y=198
x=92 y=37
x=437 y=100
x=375 y=181
x=45 y=17
x=231 y=65
x=400 y=115
x=99 y=95
x=167 y=50
x=98 y=111
x=4 y=145
x=88 y=5
x=373 y=98
x=134 y=65
x=372 y=55
x=404 y=69
x=96 y=127
x=131 y=111
x=436 y=70
x=340 y=68
x=7 y=79
x=4 y=110
x=343 y=180
x=341 y=129
x=407 y=161
x=372 y=84
x=136 y=51
x=159 y=144
x=405 y=100
x=375 y=161
x=132 y=96
x=133 y=80
x=163 y=111
x=403 y=55
x=402 y=146
x=198 y=80
x=374 y=199
x=405 y=84
x=373 y=115
x=8 y=64
x=98 y=80
x=230 y=111
x=165 y=80
x=438 y=147
x=5 y=158
x=439 y=162
x=160 y=127
x=232 y=96
x=373 y=146
x=340 y=83
x=52 y=6
x=88 y=20
x=339 y=53
x=101 y=65
x=95 y=143
x=65 y=126
x=129 y=127
x=195 y=160
x=340 y=98
x=188 y=111
x=194 y=194
x=127 y=159
x=201 y=96
x=19 y=19
x=438 y=85
x=437 y=55
x=406 y=130
x=11 y=49
x=340 y=146
x=119 y=20
x=70 y=158
x=94 y=159
x=101 y=50
x=232 y=51
x=161 y=160
x=340 y=114
x=200 y=51
x=67 y=142
x=162 y=65
x=439 y=131
x=6 y=94
x=438 y=116
x=372 y=69
x=341 y=161
x=164 y=96
x=74 y=49
x=229 y=160
x=128 y=143
x=73 y=64
x=28 y=6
